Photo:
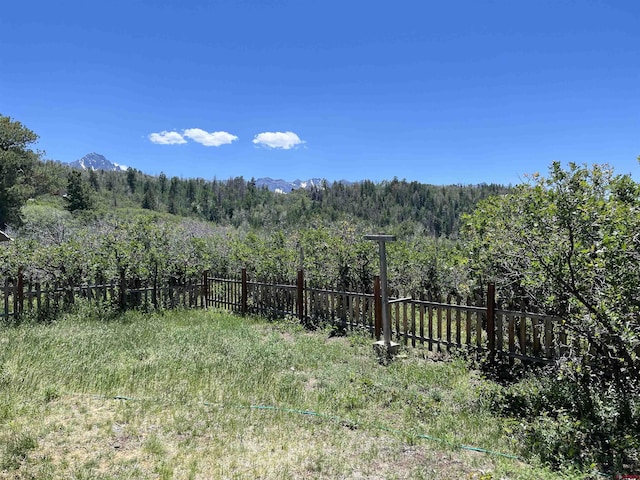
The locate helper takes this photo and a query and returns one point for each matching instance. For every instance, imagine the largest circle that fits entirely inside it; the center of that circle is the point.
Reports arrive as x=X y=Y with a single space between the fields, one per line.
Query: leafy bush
x=562 y=424
x=568 y=245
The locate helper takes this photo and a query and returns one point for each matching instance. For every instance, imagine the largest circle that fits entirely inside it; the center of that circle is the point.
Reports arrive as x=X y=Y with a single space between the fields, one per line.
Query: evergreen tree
x=162 y=180
x=16 y=165
x=173 y=195
x=131 y=179
x=78 y=195
x=149 y=201
x=93 y=180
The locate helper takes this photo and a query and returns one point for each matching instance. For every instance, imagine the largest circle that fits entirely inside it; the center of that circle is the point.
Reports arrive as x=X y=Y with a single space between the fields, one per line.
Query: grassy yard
x=202 y=394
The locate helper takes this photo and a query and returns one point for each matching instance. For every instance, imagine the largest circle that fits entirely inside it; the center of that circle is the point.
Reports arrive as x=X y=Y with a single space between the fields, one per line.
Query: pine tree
x=78 y=195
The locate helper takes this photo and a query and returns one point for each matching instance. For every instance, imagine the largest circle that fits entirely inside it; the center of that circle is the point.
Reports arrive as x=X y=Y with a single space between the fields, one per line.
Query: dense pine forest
x=565 y=245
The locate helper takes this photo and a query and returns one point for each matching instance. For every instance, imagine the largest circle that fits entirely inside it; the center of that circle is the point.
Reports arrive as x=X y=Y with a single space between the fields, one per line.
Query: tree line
x=435 y=210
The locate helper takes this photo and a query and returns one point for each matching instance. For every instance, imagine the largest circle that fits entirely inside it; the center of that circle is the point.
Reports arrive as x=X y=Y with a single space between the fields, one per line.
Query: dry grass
x=84 y=436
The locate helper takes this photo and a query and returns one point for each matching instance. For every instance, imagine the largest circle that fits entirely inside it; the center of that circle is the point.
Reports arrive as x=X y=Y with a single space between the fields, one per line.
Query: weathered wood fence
x=502 y=334
x=20 y=297
x=438 y=326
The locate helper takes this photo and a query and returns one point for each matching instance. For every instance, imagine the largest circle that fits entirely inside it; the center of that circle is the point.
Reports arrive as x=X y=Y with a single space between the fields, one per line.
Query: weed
x=153 y=445
x=16 y=450
x=51 y=394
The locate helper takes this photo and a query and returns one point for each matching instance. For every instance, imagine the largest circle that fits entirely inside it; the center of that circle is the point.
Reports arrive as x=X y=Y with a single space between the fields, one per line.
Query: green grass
x=191 y=382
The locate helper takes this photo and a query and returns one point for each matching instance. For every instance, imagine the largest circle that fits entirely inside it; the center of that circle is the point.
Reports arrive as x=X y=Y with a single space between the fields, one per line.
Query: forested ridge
x=394 y=204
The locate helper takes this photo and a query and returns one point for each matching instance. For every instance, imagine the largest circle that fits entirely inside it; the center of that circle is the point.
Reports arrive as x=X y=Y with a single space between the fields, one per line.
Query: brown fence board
x=431 y=313
x=458 y=313
x=413 y=312
x=439 y=328
x=421 y=323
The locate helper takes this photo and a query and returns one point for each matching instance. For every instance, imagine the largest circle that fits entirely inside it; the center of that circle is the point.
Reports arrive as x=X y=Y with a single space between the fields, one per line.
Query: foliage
x=78 y=193
x=46 y=224
x=337 y=256
x=49 y=181
x=151 y=249
x=16 y=164
x=568 y=245
x=427 y=268
x=546 y=424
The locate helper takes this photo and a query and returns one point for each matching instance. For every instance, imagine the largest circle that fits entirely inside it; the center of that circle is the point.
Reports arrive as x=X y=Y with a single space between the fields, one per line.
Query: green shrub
x=566 y=425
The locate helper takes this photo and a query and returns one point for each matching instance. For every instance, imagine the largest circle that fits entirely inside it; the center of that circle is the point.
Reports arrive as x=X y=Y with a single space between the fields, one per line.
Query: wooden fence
x=20 y=297
x=502 y=334
x=437 y=326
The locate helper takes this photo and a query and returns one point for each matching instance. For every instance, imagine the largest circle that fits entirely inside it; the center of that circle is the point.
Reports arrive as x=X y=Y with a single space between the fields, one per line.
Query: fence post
x=155 y=286
x=5 y=296
x=300 y=295
x=123 y=292
x=20 y=292
x=491 y=315
x=245 y=294
x=377 y=300
x=205 y=289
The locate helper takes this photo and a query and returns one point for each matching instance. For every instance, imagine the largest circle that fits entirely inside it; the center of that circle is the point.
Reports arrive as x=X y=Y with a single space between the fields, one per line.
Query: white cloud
x=167 y=138
x=213 y=139
x=284 y=140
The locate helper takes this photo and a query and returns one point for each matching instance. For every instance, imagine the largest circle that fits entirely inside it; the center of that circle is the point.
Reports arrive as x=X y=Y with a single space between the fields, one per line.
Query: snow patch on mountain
x=284 y=186
x=95 y=161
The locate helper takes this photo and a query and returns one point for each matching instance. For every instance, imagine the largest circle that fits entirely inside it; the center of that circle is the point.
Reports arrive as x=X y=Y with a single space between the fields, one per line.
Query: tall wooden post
x=205 y=289
x=300 y=295
x=387 y=347
x=123 y=291
x=245 y=293
x=154 y=293
x=491 y=315
x=377 y=307
x=20 y=293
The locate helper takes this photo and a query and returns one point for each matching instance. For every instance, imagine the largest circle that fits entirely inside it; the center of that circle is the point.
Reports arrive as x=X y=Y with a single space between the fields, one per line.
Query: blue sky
x=456 y=91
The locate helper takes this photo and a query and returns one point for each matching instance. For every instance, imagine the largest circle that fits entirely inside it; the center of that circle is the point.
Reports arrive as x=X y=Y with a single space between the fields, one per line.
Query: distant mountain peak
x=95 y=161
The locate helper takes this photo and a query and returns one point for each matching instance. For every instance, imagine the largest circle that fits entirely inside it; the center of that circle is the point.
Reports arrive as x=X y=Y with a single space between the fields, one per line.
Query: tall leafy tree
x=16 y=164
